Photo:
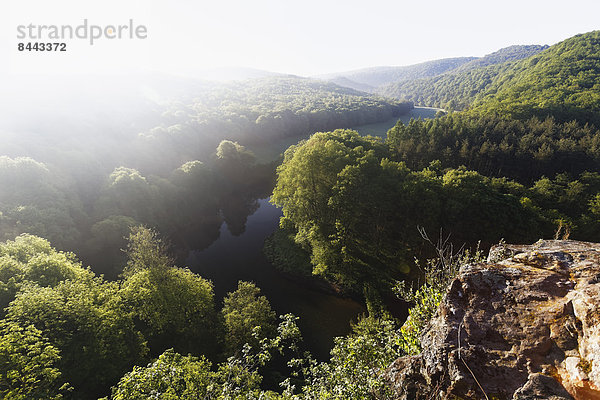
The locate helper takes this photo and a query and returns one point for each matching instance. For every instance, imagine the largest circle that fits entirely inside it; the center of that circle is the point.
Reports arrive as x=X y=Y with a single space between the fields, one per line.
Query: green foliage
x=452 y=91
x=355 y=370
x=234 y=164
x=30 y=259
x=107 y=239
x=312 y=185
x=174 y=307
x=233 y=152
x=497 y=146
x=146 y=251
x=437 y=274
x=245 y=310
x=427 y=300
x=28 y=365
x=561 y=81
x=459 y=87
x=170 y=377
x=127 y=192
x=188 y=206
x=529 y=151
x=356 y=211
x=34 y=202
x=173 y=376
x=264 y=109
x=87 y=322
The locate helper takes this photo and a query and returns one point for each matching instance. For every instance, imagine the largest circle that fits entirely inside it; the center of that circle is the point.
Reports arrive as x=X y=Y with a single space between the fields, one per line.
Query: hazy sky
x=300 y=37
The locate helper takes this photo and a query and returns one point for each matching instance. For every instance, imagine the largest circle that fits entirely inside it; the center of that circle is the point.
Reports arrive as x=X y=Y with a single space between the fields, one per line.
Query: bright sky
x=300 y=37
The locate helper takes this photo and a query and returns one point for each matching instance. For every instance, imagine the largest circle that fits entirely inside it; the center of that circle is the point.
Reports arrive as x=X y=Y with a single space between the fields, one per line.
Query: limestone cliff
x=523 y=325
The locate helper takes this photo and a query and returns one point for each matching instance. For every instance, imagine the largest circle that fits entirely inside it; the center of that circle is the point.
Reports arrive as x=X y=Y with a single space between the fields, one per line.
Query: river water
x=232 y=258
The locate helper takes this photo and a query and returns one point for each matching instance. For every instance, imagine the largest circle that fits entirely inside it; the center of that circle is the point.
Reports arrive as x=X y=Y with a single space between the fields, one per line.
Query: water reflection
x=239 y=257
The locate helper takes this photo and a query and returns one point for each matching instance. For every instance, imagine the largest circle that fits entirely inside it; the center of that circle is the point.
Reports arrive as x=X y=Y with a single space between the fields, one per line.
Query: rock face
x=523 y=325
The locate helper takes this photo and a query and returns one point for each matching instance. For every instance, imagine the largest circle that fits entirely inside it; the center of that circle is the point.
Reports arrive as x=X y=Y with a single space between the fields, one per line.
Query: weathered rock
x=524 y=325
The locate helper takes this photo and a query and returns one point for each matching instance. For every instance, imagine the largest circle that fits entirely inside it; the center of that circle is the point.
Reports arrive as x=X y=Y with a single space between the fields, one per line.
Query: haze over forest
x=171 y=236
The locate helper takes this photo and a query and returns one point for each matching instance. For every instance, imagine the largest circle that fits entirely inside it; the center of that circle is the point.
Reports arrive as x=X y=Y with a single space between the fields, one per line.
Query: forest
x=560 y=81
x=95 y=297
x=84 y=194
x=403 y=82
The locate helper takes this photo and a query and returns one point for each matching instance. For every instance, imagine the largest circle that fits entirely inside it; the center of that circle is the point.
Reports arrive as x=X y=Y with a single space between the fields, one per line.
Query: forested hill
x=268 y=108
x=378 y=76
x=535 y=118
x=460 y=87
x=83 y=167
x=139 y=120
x=562 y=81
x=285 y=106
x=510 y=53
x=389 y=80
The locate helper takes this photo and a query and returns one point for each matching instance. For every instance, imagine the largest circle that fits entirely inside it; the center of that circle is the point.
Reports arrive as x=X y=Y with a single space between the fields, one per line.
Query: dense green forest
x=358 y=212
x=264 y=109
x=561 y=81
x=524 y=150
x=83 y=191
x=87 y=189
x=188 y=205
x=392 y=81
x=459 y=87
x=449 y=91
x=344 y=198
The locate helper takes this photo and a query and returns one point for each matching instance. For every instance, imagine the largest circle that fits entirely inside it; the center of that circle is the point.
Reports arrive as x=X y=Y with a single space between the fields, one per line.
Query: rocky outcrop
x=523 y=325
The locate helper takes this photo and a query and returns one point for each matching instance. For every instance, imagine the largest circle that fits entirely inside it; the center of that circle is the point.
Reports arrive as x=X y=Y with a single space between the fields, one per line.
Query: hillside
x=175 y=117
x=562 y=81
x=378 y=76
x=133 y=132
x=345 y=82
x=506 y=54
x=263 y=109
x=391 y=81
x=460 y=87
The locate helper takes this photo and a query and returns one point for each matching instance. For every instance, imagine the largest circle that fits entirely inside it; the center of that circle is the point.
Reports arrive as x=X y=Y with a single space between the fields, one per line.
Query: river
x=232 y=258
x=266 y=153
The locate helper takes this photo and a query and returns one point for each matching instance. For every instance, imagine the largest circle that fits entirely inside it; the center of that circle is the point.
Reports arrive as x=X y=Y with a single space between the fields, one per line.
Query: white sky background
x=300 y=37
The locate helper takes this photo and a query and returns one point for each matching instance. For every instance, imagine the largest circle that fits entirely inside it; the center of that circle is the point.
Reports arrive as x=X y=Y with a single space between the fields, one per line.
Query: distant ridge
x=223 y=74
x=345 y=82
x=377 y=79
x=562 y=81
x=377 y=76
x=458 y=88
x=511 y=53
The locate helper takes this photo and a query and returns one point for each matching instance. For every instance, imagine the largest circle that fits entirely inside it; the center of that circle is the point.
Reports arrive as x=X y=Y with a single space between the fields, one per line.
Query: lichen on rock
x=523 y=325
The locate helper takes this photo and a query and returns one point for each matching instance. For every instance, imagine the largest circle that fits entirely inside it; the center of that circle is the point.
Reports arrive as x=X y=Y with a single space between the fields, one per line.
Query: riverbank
x=325 y=310
x=267 y=152
x=324 y=314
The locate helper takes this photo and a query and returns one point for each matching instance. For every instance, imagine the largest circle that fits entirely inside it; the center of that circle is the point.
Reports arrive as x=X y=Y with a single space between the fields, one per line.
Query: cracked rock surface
x=523 y=325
